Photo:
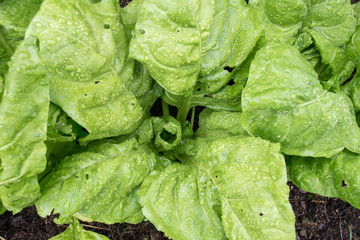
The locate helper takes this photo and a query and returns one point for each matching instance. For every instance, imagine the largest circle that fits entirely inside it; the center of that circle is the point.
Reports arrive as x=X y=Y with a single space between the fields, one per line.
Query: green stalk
x=75 y=228
x=165 y=108
x=193 y=117
x=184 y=110
x=9 y=50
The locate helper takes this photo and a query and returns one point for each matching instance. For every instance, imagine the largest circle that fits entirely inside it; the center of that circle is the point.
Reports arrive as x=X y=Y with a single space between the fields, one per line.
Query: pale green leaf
x=233 y=188
x=335 y=177
x=23 y=118
x=87 y=64
x=215 y=125
x=284 y=102
x=201 y=37
x=334 y=19
x=130 y=16
x=282 y=20
x=15 y=16
x=75 y=231
x=99 y=184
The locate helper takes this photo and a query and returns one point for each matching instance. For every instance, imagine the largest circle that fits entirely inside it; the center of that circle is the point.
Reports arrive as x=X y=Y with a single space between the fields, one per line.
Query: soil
x=317 y=217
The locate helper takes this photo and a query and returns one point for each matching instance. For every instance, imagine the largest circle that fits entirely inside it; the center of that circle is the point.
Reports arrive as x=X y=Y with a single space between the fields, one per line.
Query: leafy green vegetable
x=285 y=103
x=334 y=177
x=87 y=65
x=222 y=193
x=24 y=111
x=201 y=39
x=76 y=231
x=105 y=179
x=88 y=109
x=15 y=17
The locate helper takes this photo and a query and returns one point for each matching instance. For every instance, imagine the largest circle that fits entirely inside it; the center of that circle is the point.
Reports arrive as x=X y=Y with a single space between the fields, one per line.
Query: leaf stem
x=75 y=228
x=193 y=117
x=165 y=108
x=6 y=45
x=184 y=110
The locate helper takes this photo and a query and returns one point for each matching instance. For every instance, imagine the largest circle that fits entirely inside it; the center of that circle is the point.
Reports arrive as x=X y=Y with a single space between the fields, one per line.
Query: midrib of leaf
x=75 y=228
x=202 y=168
x=9 y=50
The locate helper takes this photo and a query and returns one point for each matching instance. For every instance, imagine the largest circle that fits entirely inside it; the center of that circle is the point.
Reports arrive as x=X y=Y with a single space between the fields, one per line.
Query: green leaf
x=284 y=102
x=15 y=17
x=75 y=231
x=233 y=188
x=334 y=19
x=60 y=127
x=130 y=16
x=2 y=208
x=215 y=125
x=201 y=37
x=282 y=20
x=167 y=132
x=99 y=184
x=335 y=177
x=23 y=117
x=87 y=64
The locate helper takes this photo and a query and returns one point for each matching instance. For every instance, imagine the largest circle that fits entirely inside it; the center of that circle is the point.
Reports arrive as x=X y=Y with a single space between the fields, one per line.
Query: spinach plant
x=79 y=82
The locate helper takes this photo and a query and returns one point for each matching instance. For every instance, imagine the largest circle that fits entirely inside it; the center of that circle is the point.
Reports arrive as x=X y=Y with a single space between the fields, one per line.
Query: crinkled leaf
x=284 y=102
x=282 y=20
x=15 y=16
x=87 y=64
x=334 y=68
x=167 y=132
x=215 y=125
x=334 y=19
x=76 y=231
x=201 y=37
x=99 y=184
x=23 y=117
x=61 y=128
x=130 y=16
x=334 y=177
x=234 y=188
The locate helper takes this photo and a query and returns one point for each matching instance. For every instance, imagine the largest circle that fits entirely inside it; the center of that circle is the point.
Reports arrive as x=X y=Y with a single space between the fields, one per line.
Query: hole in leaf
x=85 y=94
x=132 y=103
x=343 y=184
x=76 y=177
x=177 y=30
x=229 y=69
x=96 y=82
x=177 y=160
x=241 y=210
x=261 y=214
x=106 y=26
x=231 y=82
x=168 y=136
x=87 y=176
x=216 y=176
x=198 y=89
x=142 y=31
x=37 y=44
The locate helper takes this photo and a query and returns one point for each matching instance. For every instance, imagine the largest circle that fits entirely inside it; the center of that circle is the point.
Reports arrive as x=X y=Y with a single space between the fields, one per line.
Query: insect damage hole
x=343 y=183
x=96 y=82
x=87 y=176
x=229 y=69
x=261 y=214
x=142 y=31
x=106 y=26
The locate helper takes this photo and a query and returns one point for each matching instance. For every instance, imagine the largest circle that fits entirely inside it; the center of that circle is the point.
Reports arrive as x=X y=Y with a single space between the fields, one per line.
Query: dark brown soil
x=317 y=217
